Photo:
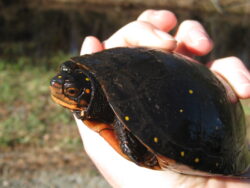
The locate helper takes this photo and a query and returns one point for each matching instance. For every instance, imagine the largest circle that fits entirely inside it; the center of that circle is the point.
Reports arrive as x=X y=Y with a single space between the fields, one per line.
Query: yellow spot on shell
x=87 y=91
x=181 y=110
x=87 y=79
x=190 y=91
x=156 y=139
x=197 y=160
x=59 y=76
x=182 y=153
x=126 y=118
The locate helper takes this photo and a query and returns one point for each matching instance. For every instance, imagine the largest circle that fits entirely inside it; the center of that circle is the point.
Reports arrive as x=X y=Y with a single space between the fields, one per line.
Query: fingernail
x=155 y=14
x=84 y=48
x=86 y=40
x=197 y=37
x=163 y=35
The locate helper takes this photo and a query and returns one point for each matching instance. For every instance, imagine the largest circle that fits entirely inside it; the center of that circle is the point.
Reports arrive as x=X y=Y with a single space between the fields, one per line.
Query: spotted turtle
x=157 y=109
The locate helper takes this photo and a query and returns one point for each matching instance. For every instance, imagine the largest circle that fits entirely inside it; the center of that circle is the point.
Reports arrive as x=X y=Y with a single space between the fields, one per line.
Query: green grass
x=27 y=114
x=246 y=106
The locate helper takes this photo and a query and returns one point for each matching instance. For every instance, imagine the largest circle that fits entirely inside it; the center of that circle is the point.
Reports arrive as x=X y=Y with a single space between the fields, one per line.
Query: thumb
x=91 y=45
x=234 y=72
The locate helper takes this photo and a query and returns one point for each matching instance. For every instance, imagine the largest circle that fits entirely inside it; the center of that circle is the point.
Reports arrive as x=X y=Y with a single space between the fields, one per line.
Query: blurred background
x=39 y=142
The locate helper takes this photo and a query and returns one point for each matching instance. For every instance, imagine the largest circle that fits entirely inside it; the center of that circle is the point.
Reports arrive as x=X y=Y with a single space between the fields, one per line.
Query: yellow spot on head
x=126 y=118
x=87 y=79
x=181 y=110
x=196 y=160
x=217 y=164
x=182 y=153
x=156 y=139
x=190 y=91
x=87 y=91
x=59 y=76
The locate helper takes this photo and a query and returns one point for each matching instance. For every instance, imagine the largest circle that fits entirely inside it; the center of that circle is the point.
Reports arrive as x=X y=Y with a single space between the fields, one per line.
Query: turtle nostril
x=52 y=82
x=58 y=79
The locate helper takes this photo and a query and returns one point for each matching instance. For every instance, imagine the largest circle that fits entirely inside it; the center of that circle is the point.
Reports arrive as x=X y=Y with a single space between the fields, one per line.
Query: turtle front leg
x=133 y=148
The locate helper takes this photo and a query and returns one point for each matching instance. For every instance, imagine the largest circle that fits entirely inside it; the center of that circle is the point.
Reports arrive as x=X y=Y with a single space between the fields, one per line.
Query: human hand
x=150 y=30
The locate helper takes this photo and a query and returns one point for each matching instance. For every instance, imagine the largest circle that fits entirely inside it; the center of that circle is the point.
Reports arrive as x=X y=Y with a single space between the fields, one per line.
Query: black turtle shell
x=176 y=107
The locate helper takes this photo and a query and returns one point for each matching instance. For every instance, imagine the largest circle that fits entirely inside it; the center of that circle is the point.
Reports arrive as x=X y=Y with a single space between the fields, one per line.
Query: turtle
x=160 y=110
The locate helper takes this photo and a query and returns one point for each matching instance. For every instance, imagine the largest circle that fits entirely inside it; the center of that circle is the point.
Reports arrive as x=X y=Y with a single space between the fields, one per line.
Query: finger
x=91 y=45
x=140 y=33
x=234 y=71
x=193 y=39
x=162 y=19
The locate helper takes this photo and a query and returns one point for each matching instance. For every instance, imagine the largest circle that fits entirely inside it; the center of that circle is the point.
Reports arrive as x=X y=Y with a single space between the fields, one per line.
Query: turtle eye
x=73 y=92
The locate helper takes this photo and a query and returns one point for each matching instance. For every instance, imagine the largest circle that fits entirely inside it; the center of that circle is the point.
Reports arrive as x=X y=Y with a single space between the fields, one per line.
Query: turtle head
x=72 y=87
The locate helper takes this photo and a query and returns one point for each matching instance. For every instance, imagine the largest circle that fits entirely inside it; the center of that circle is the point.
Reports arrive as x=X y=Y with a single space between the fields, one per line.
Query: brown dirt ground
x=44 y=167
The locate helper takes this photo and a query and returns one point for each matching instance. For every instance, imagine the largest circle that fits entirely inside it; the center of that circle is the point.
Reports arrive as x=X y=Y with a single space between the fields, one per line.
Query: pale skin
x=151 y=30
